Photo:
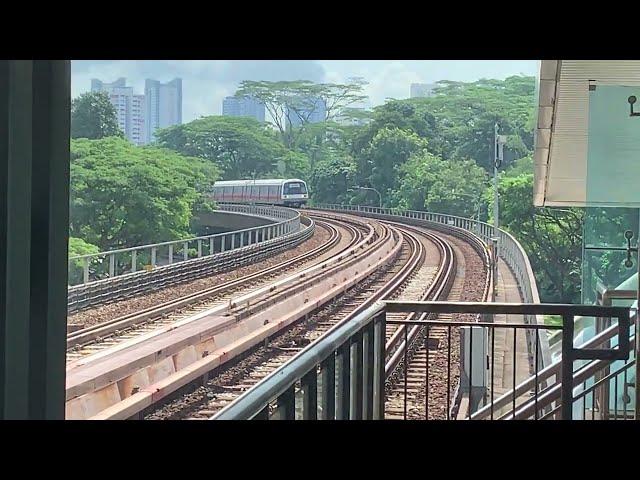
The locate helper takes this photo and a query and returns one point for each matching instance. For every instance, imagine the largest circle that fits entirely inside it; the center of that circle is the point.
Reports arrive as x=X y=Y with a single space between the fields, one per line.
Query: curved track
x=229 y=383
x=95 y=338
x=423 y=267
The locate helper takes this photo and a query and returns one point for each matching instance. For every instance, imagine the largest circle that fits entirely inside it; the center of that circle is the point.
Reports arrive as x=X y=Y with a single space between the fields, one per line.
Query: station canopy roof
x=582 y=157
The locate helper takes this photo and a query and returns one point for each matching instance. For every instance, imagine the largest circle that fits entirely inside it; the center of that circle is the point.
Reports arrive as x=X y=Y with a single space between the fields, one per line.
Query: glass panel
x=604 y=228
x=613 y=147
x=294 y=188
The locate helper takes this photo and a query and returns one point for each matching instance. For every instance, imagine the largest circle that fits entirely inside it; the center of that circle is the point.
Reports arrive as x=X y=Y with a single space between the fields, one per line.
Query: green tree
x=408 y=115
x=521 y=166
x=380 y=161
x=241 y=147
x=331 y=179
x=428 y=182
x=551 y=238
x=294 y=102
x=469 y=111
x=78 y=247
x=123 y=195
x=93 y=116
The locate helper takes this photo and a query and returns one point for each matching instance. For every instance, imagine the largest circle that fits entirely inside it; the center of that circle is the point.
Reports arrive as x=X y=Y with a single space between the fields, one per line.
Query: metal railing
x=505 y=245
x=142 y=282
x=341 y=375
x=123 y=261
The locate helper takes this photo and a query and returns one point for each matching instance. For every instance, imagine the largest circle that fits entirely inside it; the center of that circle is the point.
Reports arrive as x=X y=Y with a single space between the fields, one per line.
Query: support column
x=34 y=228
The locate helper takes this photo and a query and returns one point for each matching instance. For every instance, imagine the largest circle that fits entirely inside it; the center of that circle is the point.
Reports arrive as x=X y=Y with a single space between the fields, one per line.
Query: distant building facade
x=163 y=105
x=423 y=90
x=243 y=107
x=129 y=107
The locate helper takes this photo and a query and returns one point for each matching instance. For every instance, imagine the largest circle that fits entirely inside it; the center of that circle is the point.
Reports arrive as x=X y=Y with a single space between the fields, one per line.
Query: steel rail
x=91 y=333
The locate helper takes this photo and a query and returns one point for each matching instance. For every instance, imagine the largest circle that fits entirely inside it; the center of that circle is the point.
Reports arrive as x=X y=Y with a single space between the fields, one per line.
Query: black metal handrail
x=280 y=384
x=350 y=359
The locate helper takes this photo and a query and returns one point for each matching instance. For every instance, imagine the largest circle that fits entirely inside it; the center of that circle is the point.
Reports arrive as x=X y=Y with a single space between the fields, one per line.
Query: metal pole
x=567 y=367
x=495 y=178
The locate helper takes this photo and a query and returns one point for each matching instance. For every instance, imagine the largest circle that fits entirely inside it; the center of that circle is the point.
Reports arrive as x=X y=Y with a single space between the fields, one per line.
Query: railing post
x=199 y=248
x=286 y=404
x=310 y=395
x=367 y=372
x=185 y=251
x=356 y=376
x=211 y=251
x=343 y=402
x=112 y=266
x=134 y=260
x=567 y=367
x=378 y=362
x=328 y=398
x=153 y=257
x=85 y=270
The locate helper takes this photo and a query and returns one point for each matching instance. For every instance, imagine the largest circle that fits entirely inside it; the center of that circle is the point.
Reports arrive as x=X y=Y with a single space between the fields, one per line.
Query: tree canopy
x=240 y=147
x=429 y=183
x=294 y=102
x=124 y=195
x=93 y=116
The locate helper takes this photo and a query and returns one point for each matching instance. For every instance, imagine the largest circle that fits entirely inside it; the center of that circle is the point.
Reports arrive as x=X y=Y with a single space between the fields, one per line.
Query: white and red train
x=290 y=192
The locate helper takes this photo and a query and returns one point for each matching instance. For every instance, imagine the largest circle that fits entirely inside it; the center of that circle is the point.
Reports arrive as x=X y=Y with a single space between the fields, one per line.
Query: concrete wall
x=219 y=221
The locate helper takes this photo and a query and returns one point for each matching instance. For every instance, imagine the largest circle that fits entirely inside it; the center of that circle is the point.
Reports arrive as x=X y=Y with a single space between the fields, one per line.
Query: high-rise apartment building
x=243 y=107
x=423 y=90
x=309 y=110
x=129 y=107
x=163 y=105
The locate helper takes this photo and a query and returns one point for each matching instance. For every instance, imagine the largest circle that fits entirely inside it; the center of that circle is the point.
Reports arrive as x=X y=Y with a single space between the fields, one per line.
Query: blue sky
x=206 y=82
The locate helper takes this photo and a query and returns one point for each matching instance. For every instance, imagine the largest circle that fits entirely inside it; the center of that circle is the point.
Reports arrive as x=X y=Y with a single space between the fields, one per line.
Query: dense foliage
x=551 y=237
x=123 y=195
x=241 y=147
x=93 y=116
x=78 y=247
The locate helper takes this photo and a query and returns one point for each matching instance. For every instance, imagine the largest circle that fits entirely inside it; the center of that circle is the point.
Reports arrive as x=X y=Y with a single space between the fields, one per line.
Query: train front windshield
x=294 y=188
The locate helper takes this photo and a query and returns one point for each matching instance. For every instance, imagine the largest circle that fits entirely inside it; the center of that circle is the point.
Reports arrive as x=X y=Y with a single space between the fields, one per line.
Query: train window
x=294 y=188
x=273 y=191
